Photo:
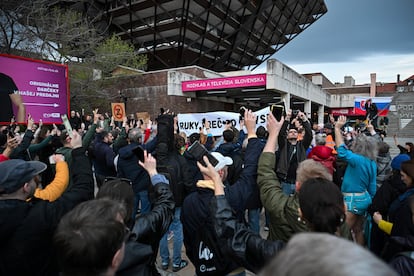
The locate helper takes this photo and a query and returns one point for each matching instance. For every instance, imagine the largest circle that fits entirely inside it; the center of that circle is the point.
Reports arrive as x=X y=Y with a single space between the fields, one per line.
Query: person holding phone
x=128 y=167
x=195 y=215
x=291 y=151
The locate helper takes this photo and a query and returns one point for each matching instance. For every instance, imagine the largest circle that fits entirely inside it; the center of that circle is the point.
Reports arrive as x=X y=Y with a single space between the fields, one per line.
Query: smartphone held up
x=67 y=125
x=278 y=111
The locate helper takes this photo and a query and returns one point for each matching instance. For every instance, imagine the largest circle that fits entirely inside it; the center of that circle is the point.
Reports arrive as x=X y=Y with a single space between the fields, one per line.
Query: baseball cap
x=15 y=173
x=222 y=160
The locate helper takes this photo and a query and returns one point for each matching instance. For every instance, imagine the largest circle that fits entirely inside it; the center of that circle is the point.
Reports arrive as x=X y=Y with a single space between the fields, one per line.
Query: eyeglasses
x=292 y=131
x=112 y=178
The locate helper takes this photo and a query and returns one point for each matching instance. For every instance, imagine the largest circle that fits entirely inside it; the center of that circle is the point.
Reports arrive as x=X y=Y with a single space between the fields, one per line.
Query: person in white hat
x=195 y=215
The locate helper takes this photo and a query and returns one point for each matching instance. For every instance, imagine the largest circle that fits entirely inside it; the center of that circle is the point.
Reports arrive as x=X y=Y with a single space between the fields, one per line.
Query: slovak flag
x=383 y=105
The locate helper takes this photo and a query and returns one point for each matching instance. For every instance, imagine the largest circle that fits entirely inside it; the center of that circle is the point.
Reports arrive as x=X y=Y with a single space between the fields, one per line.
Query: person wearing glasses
x=291 y=151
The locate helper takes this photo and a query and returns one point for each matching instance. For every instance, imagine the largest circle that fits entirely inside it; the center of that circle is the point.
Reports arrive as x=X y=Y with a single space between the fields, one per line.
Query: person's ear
x=26 y=188
x=118 y=257
x=345 y=208
x=297 y=186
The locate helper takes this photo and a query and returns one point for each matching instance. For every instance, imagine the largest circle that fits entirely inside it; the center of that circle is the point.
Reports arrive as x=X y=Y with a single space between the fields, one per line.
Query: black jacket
x=142 y=247
x=27 y=227
x=283 y=164
x=403 y=262
x=128 y=167
x=248 y=248
x=196 y=206
x=21 y=152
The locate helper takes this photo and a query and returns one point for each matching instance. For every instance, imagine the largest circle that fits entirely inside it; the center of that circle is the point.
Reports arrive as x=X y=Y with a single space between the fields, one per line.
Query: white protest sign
x=192 y=122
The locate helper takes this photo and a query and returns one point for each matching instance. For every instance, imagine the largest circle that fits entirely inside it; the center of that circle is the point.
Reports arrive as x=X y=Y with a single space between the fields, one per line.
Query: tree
x=46 y=30
x=113 y=51
x=35 y=28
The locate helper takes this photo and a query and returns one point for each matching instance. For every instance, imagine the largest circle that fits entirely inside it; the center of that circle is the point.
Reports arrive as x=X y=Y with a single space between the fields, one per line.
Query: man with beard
x=291 y=151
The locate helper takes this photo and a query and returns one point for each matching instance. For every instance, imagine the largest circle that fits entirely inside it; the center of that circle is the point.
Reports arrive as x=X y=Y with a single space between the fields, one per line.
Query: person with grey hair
x=128 y=167
x=384 y=169
x=323 y=254
x=359 y=182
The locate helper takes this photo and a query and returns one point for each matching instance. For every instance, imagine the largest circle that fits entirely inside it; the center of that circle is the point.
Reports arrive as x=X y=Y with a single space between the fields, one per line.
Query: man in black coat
x=27 y=227
x=196 y=217
x=371 y=112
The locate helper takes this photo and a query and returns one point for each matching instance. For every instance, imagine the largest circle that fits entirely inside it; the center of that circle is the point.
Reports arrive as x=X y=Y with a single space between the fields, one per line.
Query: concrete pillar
x=373 y=87
x=308 y=108
x=286 y=99
x=321 y=113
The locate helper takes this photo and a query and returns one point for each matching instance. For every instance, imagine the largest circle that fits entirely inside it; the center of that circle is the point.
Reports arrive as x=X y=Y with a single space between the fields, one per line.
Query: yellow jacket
x=59 y=184
x=385 y=226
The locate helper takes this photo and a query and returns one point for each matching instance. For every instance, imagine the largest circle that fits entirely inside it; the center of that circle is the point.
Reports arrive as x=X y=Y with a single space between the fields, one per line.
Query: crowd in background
x=108 y=197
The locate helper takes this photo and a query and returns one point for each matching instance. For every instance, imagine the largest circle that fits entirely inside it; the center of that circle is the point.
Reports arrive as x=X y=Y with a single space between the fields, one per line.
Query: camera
x=295 y=112
x=241 y=111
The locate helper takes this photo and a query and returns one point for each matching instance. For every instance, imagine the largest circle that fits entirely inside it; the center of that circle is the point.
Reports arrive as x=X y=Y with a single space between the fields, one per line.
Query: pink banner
x=224 y=83
x=41 y=87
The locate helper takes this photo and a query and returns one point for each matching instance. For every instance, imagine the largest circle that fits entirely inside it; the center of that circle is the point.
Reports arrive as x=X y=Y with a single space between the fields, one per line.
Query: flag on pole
x=383 y=105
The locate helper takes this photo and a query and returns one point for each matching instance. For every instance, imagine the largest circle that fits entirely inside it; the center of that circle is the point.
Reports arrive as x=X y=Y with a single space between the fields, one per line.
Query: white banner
x=192 y=122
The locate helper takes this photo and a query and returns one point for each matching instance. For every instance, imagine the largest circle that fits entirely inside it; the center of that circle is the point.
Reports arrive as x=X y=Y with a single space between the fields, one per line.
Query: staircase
x=401 y=115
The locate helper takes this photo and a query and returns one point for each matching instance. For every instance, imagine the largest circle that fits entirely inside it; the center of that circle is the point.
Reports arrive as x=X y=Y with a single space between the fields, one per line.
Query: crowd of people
x=106 y=198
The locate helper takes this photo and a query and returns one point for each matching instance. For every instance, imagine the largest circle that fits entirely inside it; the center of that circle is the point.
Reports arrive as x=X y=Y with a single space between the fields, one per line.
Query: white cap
x=222 y=160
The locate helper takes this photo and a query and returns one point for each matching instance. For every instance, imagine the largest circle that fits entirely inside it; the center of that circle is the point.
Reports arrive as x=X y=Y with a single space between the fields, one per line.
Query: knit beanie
x=396 y=162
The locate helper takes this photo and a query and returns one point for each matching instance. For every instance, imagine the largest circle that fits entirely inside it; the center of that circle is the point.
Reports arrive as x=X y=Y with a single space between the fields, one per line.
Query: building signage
x=224 y=83
x=42 y=87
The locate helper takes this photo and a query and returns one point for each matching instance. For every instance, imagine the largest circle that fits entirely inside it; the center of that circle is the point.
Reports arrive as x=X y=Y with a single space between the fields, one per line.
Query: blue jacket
x=104 y=159
x=360 y=174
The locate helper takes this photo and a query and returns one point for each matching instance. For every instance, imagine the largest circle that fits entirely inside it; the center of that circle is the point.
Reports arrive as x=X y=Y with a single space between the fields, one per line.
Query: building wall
x=149 y=92
x=285 y=79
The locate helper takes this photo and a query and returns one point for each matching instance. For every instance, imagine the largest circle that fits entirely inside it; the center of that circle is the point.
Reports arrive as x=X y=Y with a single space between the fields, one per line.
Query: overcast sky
x=356 y=38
